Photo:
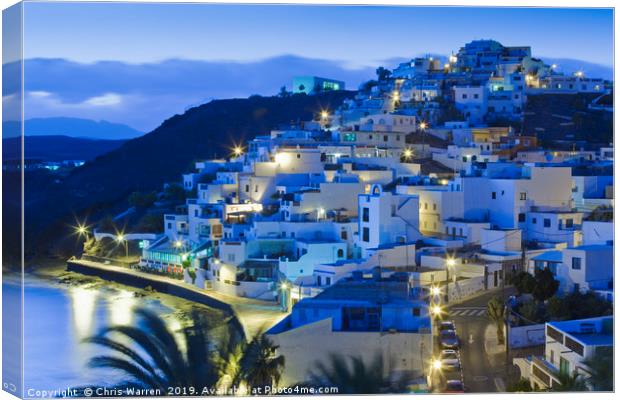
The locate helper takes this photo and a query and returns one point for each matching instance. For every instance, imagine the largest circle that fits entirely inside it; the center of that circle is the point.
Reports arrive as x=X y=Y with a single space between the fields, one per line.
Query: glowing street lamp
x=422 y=126
x=81 y=230
x=436 y=364
x=407 y=154
x=579 y=74
x=121 y=239
x=238 y=150
x=436 y=310
x=285 y=296
x=450 y=263
x=435 y=291
x=324 y=114
x=320 y=213
x=178 y=244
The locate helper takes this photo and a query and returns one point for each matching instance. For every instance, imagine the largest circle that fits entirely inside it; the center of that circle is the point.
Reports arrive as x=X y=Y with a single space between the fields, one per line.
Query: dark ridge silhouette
x=59 y=148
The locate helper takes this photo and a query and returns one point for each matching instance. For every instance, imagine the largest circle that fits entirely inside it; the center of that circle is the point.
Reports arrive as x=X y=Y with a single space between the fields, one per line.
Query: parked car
x=449 y=340
x=447 y=326
x=449 y=360
x=454 y=386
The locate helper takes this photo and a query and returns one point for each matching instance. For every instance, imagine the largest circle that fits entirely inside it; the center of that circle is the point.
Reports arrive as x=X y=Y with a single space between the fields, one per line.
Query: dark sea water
x=57 y=317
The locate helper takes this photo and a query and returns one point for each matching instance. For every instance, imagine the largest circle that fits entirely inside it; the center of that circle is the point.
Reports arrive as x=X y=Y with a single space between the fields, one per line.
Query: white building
x=386 y=218
x=380 y=315
x=584 y=268
x=568 y=345
x=472 y=101
x=504 y=193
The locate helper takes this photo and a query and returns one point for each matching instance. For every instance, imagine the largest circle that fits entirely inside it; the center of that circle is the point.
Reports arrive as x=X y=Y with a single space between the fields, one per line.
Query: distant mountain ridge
x=72 y=127
x=59 y=148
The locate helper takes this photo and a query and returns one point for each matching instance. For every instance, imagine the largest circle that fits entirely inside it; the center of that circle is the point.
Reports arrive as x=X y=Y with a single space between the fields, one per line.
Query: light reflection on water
x=58 y=318
x=83 y=303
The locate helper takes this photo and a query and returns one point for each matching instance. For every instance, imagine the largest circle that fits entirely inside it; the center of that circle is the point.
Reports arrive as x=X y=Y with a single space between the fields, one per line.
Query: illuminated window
x=350 y=137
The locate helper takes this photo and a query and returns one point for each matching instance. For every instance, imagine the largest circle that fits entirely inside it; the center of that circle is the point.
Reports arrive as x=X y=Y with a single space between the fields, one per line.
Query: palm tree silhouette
x=569 y=383
x=496 y=313
x=261 y=364
x=151 y=357
x=166 y=363
x=351 y=375
x=601 y=371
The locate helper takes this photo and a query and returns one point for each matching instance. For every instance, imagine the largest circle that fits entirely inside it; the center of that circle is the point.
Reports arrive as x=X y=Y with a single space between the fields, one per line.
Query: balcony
x=544 y=371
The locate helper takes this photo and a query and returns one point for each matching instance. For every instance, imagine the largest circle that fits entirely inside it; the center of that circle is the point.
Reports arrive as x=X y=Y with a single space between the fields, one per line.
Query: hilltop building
x=314 y=84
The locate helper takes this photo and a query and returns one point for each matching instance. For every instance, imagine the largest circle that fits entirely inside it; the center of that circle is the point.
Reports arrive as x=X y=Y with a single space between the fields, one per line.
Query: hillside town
x=419 y=223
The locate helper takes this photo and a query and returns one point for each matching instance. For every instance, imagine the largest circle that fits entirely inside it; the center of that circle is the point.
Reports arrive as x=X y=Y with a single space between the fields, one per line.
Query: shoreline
x=254 y=316
x=55 y=274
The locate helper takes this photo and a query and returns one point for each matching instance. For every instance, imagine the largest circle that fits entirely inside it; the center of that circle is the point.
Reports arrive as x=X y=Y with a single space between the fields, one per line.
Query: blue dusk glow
x=108 y=60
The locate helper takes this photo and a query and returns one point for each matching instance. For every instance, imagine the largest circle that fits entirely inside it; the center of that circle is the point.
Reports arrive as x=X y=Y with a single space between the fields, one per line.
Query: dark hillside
x=58 y=147
x=562 y=118
x=162 y=155
x=202 y=132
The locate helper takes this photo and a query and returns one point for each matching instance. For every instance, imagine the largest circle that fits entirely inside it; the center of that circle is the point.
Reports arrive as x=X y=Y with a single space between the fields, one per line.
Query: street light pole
x=449 y=264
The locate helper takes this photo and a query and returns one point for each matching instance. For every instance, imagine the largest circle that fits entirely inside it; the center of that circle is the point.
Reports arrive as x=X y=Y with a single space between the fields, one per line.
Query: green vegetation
x=284 y=93
x=150 y=223
x=601 y=370
x=546 y=285
x=142 y=200
x=351 y=375
x=496 y=313
x=580 y=305
x=523 y=385
x=152 y=357
x=548 y=114
x=523 y=282
x=568 y=307
x=601 y=214
x=542 y=285
x=175 y=193
x=383 y=74
x=366 y=87
x=107 y=224
x=569 y=383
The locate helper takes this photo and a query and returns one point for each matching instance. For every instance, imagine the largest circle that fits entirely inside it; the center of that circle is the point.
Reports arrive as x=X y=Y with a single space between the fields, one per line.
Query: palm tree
x=166 y=362
x=601 y=371
x=352 y=376
x=260 y=363
x=495 y=312
x=569 y=383
x=522 y=385
x=227 y=361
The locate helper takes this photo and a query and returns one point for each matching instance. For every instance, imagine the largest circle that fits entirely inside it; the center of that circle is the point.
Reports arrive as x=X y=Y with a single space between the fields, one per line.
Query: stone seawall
x=140 y=280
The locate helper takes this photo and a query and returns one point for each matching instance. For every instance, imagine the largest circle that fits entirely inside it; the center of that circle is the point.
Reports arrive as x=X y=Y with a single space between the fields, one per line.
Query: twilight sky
x=140 y=63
